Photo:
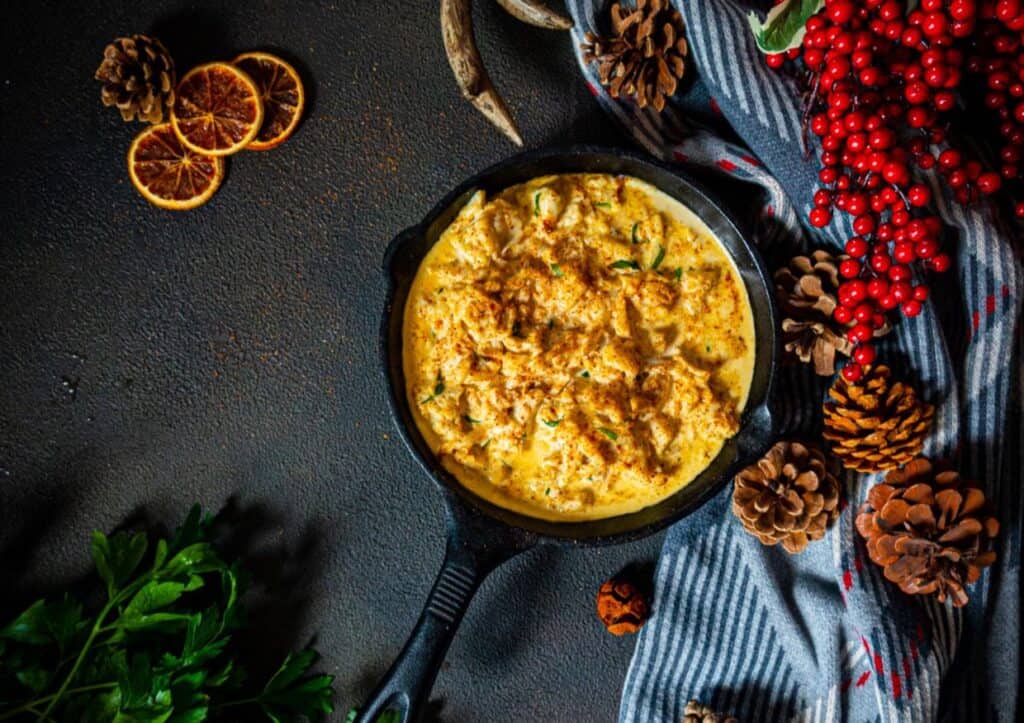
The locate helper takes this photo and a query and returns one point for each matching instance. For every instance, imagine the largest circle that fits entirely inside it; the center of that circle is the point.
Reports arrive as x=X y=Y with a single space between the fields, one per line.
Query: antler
x=468 y=67
x=536 y=13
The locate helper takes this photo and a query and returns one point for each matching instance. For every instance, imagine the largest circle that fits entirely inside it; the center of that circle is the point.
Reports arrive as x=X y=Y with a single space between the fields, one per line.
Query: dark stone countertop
x=151 y=359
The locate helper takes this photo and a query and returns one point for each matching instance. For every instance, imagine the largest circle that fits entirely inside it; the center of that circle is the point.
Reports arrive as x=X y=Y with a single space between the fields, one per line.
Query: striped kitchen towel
x=822 y=636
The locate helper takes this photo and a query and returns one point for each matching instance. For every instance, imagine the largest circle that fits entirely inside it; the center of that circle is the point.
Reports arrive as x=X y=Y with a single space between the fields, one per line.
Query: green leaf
x=609 y=433
x=585 y=374
x=557 y=271
x=64 y=620
x=438 y=389
x=603 y=204
x=117 y=557
x=290 y=692
x=679 y=273
x=192 y=530
x=35 y=678
x=153 y=596
x=659 y=258
x=29 y=627
x=536 y=204
x=553 y=423
x=626 y=264
x=783 y=27
x=470 y=420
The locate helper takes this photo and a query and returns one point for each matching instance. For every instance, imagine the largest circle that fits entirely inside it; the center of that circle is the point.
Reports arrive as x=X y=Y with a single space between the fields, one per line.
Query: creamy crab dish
x=577 y=346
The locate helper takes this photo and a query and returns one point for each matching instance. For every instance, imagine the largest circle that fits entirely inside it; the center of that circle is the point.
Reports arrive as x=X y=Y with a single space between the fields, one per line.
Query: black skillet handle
x=406 y=687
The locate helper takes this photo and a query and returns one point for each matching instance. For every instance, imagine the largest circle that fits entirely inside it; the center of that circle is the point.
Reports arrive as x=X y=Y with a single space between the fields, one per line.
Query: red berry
x=903 y=253
x=775 y=60
x=880 y=263
x=819 y=217
x=864 y=313
x=949 y=159
x=843 y=315
x=920 y=292
x=877 y=288
x=864 y=354
x=911 y=308
x=822 y=197
x=888 y=302
x=989 y=182
x=863 y=225
x=860 y=333
x=940 y=263
x=852 y=372
x=853 y=291
x=849 y=268
x=919 y=195
x=926 y=248
x=857 y=247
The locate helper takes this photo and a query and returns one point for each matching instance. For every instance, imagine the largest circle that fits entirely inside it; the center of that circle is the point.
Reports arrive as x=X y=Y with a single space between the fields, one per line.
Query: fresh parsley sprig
x=158 y=649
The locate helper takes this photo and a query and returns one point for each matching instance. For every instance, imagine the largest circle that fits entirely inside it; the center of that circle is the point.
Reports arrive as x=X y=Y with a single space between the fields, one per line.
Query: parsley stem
x=30 y=706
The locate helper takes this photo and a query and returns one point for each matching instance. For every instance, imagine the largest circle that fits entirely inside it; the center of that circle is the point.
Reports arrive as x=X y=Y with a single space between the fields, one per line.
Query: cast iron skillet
x=481 y=535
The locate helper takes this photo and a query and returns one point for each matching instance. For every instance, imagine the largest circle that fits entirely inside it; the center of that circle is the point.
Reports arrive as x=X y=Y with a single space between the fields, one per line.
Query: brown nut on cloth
x=621 y=606
x=930 y=530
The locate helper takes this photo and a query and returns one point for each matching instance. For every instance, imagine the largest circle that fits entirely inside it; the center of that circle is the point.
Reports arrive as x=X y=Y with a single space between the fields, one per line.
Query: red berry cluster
x=882 y=83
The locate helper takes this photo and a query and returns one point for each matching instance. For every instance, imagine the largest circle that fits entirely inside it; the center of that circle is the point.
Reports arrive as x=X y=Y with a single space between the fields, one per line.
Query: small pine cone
x=790 y=496
x=138 y=77
x=875 y=423
x=697 y=713
x=621 y=606
x=929 y=529
x=806 y=290
x=646 y=55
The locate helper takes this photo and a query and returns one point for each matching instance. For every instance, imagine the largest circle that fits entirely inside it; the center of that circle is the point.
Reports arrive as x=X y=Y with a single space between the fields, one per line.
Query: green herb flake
x=547 y=492
x=609 y=433
x=626 y=264
x=707 y=348
x=585 y=374
x=603 y=204
x=484 y=445
x=557 y=271
x=470 y=420
x=438 y=390
x=553 y=422
x=679 y=273
x=517 y=330
x=536 y=204
x=659 y=258
x=632 y=232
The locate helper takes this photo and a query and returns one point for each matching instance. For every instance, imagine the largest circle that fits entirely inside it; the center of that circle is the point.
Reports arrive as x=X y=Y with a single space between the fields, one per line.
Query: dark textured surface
x=151 y=359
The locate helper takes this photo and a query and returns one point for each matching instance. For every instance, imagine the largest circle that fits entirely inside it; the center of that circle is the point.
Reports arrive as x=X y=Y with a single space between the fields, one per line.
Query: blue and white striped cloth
x=822 y=636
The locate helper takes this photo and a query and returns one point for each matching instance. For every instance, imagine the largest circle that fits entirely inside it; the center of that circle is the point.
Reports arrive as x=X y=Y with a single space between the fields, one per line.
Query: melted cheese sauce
x=577 y=347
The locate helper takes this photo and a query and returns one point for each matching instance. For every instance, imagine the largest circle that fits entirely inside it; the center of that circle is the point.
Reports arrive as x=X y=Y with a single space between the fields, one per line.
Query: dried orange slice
x=217 y=109
x=170 y=175
x=282 y=94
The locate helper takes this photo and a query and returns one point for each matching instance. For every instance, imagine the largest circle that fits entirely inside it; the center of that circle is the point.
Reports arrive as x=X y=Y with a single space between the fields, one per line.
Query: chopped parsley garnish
x=626 y=264
x=517 y=329
x=557 y=271
x=553 y=422
x=679 y=273
x=707 y=348
x=438 y=389
x=609 y=433
x=470 y=419
x=659 y=258
x=603 y=204
x=536 y=204
x=484 y=445
x=585 y=374
x=632 y=232
x=547 y=492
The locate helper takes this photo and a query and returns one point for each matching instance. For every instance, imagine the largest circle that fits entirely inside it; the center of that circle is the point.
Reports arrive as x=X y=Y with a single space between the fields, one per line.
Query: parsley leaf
x=626 y=264
x=536 y=204
x=659 y=258
x=552 y=422
x=632 y=232
x=679 y=273
x=609 y=433
x=603 y=204
x=438 y=390
x=557 y=271
x=470 y=420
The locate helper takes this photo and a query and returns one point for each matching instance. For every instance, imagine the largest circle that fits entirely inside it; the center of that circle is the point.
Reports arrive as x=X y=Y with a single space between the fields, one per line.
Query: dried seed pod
x=476 y=85
x=536 y=13
x=621 y=606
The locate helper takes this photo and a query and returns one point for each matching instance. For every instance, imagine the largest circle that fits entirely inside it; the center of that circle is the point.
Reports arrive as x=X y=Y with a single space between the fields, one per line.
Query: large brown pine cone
x=138 y=77
x=929 y=529
x=789 y=496
x=646 y=55
x=875 y=423
x=806 y=290
x=697 y=713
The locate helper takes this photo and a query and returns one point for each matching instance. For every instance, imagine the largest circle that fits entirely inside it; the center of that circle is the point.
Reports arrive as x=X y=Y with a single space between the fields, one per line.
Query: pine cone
x=789 y=496
x=138 y=77
x=806 y=291
x=645 y=57
x=621 y=606
x=697 y=713
x=929 y=530
x=875 y=423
